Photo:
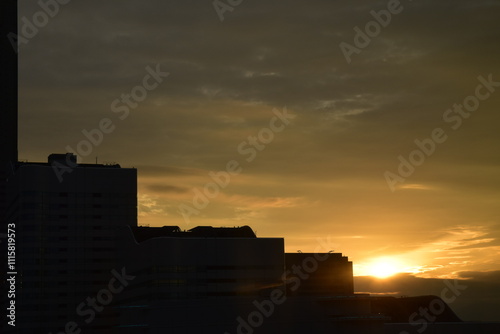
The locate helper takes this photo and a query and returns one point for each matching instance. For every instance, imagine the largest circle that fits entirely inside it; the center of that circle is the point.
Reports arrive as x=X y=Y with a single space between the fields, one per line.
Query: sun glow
x=384 y=267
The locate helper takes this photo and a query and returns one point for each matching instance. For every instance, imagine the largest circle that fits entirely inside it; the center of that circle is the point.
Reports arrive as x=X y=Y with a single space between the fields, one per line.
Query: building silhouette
x=8 y=118
x=8 y=130
x=66 y=228
x=83 y=262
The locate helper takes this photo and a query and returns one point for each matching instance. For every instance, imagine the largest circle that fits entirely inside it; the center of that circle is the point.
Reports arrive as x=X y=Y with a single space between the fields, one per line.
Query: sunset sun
x=384 y=267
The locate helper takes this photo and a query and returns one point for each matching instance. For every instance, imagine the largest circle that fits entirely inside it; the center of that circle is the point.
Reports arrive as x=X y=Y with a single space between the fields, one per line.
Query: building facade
x=66 y=236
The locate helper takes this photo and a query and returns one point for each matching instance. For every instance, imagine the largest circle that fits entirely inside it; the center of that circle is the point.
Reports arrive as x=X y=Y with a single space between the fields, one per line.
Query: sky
x=372 y=125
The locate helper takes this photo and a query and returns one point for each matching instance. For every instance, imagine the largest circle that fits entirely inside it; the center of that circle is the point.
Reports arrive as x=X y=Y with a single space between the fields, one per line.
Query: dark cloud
x=160 y=188
x=477 y=299
x=482 y=276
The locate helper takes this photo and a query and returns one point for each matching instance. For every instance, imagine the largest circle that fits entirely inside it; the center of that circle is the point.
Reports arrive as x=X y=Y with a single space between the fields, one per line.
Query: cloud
x=266 y=202
x=478 y=298
x=166 y=171
x=148 y=205
x=161 y=188
x=415 y=187
x=482 y=276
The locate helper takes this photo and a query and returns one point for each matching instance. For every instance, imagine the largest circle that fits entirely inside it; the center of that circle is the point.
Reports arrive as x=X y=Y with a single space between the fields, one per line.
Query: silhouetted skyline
x=173 y=90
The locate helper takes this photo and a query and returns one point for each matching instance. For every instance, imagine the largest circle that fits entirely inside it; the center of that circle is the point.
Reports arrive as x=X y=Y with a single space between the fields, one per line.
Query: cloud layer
x=323 y=174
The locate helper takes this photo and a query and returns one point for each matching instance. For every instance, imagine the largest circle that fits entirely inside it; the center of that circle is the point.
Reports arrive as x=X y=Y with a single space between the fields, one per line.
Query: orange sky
x=321 y=172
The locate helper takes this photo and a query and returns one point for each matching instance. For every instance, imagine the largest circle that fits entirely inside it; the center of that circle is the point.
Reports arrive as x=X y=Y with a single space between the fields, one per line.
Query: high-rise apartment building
x=66 y=228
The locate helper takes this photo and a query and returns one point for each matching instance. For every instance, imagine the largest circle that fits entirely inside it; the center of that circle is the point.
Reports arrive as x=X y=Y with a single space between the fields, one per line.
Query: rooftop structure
x=142 y=233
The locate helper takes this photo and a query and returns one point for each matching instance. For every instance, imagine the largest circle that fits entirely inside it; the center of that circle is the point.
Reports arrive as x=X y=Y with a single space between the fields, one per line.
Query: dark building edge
x=8 y=118
x=8 y=127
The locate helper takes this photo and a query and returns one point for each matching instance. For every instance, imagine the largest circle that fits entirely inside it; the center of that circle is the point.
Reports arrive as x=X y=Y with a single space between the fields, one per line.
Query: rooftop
x=143 y=233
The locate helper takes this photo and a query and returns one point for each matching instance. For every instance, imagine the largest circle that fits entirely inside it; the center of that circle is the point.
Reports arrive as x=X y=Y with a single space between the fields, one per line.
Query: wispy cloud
x=266 y=202
x=165 y=188
x=150 y=205
x=415 y=186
